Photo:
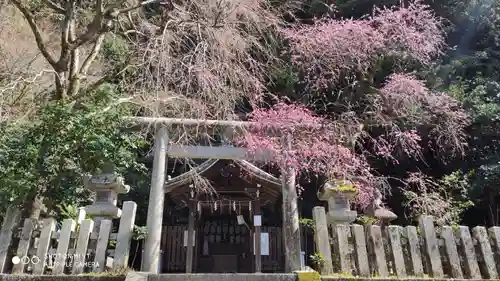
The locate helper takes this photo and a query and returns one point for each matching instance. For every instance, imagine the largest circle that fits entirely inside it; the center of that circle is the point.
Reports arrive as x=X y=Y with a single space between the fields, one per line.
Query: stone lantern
x=106 y=186
x=376 y=210
x=338 y=194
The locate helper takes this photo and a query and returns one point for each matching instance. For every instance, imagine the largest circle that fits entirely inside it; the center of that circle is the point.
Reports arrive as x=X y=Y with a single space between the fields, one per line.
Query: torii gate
x=151 y=256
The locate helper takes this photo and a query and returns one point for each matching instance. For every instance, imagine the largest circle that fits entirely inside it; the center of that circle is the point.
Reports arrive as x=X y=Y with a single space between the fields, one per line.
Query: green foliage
x=115 y=49
x=356 y=8
x=118 y=272
x=318 y=261
x=50 y=155
x=479 y=96
x=36 y=5
x=67 y=211
x=343 y=186
x=284 y=80
x=308 y=223
x=111 y=244
x=140 y=233
x=446 y=200
x=364 y=220
x=457 y=185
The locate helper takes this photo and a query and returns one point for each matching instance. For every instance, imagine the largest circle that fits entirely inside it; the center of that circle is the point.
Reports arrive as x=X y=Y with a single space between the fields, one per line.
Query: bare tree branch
x=76 y=79
x=115 y=13
x=75 y=53
x=54 y=6
x=36 y=32
x=66 y=50
x=21 y=81
x=74 y=83
x=114 y=105
x=102 y=21
x=93 y=54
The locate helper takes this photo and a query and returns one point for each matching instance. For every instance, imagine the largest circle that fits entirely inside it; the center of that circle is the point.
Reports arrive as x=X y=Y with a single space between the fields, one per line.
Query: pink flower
x=333 y=49
x=314 y=149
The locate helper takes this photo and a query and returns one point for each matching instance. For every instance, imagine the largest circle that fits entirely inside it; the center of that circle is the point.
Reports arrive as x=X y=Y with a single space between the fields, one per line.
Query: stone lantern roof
x=106 y=182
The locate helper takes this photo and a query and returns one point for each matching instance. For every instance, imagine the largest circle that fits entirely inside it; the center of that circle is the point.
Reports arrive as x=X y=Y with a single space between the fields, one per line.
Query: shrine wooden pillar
x=190 y=236
x=151 y=257
x=257 y=221
x=291 y=230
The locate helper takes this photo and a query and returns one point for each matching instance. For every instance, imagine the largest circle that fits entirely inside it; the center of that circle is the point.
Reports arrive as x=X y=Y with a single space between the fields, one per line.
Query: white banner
x=264 y=244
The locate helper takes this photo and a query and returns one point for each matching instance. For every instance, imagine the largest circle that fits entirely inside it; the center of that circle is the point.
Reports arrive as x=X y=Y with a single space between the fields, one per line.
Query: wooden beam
x=217 y=152
x=201 y=122
x=188 y=122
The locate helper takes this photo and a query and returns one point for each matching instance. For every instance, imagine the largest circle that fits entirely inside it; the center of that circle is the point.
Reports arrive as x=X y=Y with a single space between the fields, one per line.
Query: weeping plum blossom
x=319 y=145
x=397 y=143
x=329 y=48
x=204 y=57
x=316 y=146
x=333 y=49
x=413 y=31
x=406 y=97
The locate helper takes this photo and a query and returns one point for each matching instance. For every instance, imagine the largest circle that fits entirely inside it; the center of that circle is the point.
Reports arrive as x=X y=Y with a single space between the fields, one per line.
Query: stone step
x=143 y=276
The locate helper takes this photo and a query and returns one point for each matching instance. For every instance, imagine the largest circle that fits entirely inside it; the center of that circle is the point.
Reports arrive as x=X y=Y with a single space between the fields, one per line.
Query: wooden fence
x=426 y=250
x=38 y=248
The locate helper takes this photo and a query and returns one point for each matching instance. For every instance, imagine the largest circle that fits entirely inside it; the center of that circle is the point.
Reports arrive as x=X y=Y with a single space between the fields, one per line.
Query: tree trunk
x=33 y=208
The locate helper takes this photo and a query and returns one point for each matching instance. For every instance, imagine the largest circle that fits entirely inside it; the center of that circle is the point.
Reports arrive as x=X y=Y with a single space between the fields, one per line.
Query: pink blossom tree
x=404 y=112
x=317 y=145
x=334 y=49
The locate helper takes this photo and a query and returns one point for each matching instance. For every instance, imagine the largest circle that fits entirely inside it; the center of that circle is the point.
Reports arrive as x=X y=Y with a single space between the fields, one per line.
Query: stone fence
x=90 y=246
x=424 y=251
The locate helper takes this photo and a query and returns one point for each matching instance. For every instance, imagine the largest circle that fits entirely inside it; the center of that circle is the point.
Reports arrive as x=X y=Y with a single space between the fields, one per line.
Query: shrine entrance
x=224 y=245
x=227 y=229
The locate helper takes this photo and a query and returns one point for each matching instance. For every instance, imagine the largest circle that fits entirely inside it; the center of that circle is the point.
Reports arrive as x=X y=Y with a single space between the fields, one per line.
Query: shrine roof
x=233 y=178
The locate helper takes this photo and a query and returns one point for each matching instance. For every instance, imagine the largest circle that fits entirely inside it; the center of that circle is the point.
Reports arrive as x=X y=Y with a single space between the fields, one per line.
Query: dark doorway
x=223 y=245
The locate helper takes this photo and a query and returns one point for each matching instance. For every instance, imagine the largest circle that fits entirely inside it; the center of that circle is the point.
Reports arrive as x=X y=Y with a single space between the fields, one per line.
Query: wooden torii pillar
x=291 y=234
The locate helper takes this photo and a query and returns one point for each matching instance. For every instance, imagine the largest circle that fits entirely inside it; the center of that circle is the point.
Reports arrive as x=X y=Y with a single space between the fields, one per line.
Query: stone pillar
x=151 y=257
x=338 y=195
x=106 y=186
x=291 y=229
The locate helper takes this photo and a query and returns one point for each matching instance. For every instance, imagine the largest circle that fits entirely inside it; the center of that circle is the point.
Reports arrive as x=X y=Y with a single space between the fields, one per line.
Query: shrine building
x=240 y=202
